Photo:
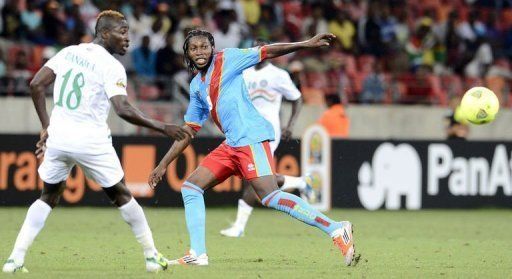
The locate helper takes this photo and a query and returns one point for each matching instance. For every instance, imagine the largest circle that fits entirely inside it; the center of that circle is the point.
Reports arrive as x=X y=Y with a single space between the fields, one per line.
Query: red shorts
x=246 y=162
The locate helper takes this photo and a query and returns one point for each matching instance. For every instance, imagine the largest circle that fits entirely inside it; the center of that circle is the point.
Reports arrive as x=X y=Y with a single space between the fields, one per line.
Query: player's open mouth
x=201 y=61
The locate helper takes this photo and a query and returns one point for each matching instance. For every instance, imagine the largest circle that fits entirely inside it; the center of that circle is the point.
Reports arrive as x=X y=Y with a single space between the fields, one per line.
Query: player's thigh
x=105 y=169
x=56 y=166
x=203 y=177
x=216 y=167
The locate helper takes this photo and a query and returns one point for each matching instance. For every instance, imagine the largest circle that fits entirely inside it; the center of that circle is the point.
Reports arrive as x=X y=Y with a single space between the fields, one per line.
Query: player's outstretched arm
x=320 y=40
x=286 y=133
x=126 y=111
x=173 y=153
x=43 y=78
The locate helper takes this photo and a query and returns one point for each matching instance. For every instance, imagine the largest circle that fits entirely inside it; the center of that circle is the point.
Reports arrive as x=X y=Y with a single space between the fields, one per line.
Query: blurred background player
x=334 y=119
x=218 y=88
x=456 y=127
x=86 y=77
x=267 y=85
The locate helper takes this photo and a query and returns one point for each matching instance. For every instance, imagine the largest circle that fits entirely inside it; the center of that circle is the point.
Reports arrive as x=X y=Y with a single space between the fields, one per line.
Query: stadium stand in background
x=393 y=51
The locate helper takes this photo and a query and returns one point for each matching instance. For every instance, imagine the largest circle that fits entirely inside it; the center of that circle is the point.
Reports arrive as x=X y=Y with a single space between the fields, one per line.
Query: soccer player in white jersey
x=87 y=79
x=267 y=85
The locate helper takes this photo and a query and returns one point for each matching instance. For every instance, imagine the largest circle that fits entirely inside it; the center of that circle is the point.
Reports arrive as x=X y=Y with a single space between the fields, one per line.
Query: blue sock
x=195 y=216
x=300 y=210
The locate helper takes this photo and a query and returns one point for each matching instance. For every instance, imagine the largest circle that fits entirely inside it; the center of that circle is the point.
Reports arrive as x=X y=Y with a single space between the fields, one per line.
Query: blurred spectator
x=140 y=24
x=419 y=47
x=453 y=42
x=144 y=59
x=334 y=119
x=374 y=87
x=160 y=27
x=369 y=31
x=473 y=28
x=20 y=74
x=356 y=8
x=252 y=11
x=229 y=32
x=267 y=24
x=74 y=24
x=31 y=19
x=402 y=29
x=11 y=21
x=3 y=73
x=316 y=22
x=481 y=61
x=388 y=27
x=168 y=63
x=344 y=30
x=238 y=14
x=293 y=18
x=53 y=26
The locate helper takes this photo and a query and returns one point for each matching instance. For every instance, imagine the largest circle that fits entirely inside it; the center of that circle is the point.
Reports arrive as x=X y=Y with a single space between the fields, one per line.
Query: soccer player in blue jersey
x=219 y=89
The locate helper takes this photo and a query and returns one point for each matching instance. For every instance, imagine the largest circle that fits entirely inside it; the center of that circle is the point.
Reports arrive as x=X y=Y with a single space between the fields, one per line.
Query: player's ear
x=104 y=34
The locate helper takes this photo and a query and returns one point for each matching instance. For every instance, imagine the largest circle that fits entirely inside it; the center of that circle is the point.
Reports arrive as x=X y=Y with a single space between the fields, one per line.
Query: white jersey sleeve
x=286 y=87
x=115 y=80
x=55 y=63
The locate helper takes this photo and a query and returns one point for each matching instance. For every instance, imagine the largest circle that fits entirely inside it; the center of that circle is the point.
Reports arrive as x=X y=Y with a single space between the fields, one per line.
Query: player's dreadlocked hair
x=195 y=33
x=104 y=20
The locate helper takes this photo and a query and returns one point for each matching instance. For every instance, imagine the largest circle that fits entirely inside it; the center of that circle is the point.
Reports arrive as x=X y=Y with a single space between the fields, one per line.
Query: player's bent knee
x=118 y=194
x=51 y=193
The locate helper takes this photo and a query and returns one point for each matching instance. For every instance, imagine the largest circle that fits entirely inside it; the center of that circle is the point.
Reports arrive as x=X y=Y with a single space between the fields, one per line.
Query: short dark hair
x=104 y=20
x=190 y=35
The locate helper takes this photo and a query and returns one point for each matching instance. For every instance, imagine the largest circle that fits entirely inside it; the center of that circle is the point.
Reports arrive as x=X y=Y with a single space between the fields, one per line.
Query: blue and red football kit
x=222 y=93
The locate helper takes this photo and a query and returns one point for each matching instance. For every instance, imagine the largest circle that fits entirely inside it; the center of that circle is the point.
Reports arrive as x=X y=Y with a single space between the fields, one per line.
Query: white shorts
x=105 y=169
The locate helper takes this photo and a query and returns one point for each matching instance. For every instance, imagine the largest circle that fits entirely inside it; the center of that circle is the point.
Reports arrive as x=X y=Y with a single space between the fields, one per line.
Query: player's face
x=118 y=40
x=200 y=52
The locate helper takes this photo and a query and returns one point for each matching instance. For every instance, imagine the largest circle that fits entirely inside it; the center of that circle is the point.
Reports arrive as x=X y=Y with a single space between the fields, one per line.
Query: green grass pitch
x=96 y=243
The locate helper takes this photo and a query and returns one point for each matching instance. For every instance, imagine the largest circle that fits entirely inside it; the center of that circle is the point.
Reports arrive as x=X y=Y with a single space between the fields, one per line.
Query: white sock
x=133 y=215
x=243 y=214
x=292 y=182
x=34 y=222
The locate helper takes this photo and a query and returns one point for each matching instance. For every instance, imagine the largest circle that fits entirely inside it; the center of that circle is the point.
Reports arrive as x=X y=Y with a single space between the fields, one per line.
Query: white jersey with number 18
x=87 y=76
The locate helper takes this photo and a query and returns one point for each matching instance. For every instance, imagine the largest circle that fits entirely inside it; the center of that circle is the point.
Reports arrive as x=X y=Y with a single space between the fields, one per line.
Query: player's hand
x=41 y=144
x=286 y=134
x=176 y=132
x=156 y=176
x=320 y=40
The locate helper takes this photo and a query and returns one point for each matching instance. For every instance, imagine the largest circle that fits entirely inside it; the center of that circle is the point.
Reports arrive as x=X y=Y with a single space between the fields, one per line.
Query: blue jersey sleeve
x=240 y=59
x=196 y=113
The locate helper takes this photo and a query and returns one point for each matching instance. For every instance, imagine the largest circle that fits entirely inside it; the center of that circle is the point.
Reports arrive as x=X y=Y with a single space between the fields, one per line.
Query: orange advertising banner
x=21 y=185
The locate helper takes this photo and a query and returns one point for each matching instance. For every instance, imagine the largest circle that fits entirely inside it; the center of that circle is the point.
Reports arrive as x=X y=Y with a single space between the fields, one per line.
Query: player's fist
x=176 y=132
x=156 y=176
x=41 y=144
x=320 y=40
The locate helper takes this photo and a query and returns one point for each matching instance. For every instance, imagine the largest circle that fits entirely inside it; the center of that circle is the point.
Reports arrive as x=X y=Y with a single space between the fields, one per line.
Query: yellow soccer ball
x=479 y=105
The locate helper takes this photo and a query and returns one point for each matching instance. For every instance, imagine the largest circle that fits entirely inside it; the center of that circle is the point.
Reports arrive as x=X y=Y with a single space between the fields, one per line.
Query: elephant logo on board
x=395 y=171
